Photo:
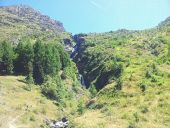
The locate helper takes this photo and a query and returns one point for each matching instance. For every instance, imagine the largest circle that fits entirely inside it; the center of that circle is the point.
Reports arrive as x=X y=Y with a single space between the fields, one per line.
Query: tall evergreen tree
x=24 y=61
x=64 y=57
x=19 y=65
x=57 y=58
x=38 y=71
x=7 y=56
x=50 y=60
x=1 y=54
x=52 y=64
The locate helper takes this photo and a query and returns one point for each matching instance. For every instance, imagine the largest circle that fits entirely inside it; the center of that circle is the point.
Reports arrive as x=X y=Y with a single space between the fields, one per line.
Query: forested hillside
x=33 y=56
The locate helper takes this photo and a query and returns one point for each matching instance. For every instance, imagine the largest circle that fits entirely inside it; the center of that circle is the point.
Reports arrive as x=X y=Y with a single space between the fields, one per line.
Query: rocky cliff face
x=29 y=15
x=165 y=22
x=17 y=22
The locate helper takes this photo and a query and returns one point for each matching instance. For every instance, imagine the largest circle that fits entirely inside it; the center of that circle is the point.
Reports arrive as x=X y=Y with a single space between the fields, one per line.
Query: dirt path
x=12 y=123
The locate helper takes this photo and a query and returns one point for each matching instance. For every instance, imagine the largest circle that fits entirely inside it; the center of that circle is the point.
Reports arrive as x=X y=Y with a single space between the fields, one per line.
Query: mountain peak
x=29 y=14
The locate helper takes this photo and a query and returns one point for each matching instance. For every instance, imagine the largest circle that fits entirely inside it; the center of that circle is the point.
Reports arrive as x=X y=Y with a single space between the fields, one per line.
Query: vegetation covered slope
x=23 y=106
x=31 y=45
x=129 y=69
x=139 y=97
x=22 y=21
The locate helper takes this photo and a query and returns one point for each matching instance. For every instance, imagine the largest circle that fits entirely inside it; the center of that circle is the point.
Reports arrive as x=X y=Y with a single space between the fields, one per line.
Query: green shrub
x=29 y=79
x=136 y=116
x=49 y=88
x=132 y=126
x=119 y=84
x=144 y=110
x=70 y=72
x=154 y=79
x=148 y=74
x=32 y=118
x=93 y=90
x=81 y=107
x=143 y=86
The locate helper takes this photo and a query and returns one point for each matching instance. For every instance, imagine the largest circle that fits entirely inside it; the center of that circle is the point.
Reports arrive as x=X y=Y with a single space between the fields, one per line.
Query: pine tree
x=1 y=54
x=57 y=59
x=29 y=58
x=65 y=60
x=38 y=71
x=19 y=65
x=24 y=61
x=7 y=54
x=64 y=57
x=51 y=60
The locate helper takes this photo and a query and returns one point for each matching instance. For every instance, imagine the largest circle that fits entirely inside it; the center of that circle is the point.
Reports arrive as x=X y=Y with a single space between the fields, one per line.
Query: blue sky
x=101 y=15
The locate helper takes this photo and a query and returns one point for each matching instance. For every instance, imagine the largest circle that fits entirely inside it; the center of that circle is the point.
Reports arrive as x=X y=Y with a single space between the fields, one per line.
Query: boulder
x=63 y=123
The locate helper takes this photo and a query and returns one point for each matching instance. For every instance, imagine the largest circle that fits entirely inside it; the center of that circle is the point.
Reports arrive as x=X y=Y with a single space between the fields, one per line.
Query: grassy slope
x=131 y=106
x=22 y=108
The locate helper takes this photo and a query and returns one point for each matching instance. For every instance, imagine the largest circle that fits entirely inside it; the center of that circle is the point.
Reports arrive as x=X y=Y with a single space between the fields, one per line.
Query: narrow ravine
x=74 y=52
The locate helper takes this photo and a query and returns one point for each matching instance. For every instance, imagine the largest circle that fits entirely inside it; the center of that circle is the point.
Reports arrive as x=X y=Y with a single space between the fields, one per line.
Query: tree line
x=34 y=60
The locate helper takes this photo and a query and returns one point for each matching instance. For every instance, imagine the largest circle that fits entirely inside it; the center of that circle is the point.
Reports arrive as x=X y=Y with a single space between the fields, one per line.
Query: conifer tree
x=51 y=60
x=64 y=57
x=38 y=72
x=7 y=56
x=24 y=61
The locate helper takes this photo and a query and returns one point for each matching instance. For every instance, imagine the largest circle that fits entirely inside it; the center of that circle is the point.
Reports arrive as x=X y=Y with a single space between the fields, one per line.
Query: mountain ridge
x=25 y=11
x=20 y=21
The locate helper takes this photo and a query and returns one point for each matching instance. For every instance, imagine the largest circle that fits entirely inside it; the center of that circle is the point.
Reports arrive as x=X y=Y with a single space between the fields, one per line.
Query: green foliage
x=49 y=88
x=32 y=118
x=81 y=107
x=51 y=62
x=132 y=126
x=25 y=57
x=7 y=56
x=119 y=84
x=143 y=86
x=29 y=79
x=54 y=89
x=35 y=60
x=47 y=61
x=70 y=72
x=39 y=53
x=111 y=70
x=148 y=74
x=93 y=90
x=144 y=109
x=136 y=116
x=168 y=55
x=42 y=63
x=153 y=74
x=97 y=60
x=64 y=57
